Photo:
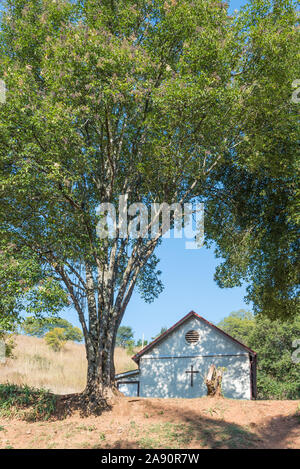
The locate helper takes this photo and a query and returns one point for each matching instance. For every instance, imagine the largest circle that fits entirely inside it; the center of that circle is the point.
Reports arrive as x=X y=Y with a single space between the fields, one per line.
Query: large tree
x=109 y=98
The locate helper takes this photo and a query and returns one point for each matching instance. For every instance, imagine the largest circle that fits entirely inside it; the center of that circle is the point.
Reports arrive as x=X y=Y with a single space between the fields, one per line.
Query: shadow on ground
x=192 y=430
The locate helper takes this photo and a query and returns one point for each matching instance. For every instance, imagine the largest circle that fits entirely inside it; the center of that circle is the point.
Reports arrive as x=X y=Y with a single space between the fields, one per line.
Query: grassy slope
x=61 y=372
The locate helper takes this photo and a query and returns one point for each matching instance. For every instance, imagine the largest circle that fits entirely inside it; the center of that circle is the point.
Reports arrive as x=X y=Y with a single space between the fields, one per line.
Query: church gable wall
x=211 y=342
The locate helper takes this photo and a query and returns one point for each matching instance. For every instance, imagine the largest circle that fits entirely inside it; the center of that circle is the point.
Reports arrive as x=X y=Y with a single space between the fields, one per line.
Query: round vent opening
x=192 y=337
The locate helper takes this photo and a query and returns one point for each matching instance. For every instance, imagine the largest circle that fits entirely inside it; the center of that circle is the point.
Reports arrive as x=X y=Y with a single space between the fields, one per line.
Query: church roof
x=161 y=337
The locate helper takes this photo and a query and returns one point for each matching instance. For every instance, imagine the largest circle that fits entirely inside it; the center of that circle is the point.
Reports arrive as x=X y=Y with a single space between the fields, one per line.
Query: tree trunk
x=101 y=391
x=214 y=382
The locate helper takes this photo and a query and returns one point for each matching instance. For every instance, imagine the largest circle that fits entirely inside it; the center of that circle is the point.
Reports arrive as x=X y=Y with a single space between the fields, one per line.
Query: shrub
x=73 y=333
x=26 y=403
x=56 y=339
x=130 y=347
x=9 y=342
x=270 y=388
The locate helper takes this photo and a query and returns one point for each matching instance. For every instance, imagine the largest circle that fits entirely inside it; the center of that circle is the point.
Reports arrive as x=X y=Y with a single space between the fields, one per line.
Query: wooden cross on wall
x=192 y=374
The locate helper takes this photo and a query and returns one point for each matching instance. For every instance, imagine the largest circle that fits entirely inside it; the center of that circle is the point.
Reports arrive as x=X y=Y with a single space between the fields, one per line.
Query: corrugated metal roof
x=127 y=373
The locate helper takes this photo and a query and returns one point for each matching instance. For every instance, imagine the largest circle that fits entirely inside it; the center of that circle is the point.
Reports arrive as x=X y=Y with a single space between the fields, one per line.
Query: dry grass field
x=61 y=372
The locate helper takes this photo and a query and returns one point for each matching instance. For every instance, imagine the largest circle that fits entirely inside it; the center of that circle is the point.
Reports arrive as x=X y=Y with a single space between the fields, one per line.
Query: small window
x=192 y=337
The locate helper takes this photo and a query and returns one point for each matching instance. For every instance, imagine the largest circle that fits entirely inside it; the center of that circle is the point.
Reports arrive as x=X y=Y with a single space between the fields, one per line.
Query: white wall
x=128 y=384
x=211 y=342
x=163 y=369
x=128 y=389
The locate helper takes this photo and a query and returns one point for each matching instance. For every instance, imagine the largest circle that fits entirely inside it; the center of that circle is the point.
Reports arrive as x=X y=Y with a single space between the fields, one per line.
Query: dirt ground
x=166 y=423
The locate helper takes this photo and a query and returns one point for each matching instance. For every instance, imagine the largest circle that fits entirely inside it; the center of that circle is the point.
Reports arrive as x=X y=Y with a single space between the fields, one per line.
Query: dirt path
x=166 y=423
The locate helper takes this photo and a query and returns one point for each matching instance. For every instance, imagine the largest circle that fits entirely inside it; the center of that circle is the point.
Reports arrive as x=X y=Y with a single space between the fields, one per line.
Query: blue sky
x=236 y=4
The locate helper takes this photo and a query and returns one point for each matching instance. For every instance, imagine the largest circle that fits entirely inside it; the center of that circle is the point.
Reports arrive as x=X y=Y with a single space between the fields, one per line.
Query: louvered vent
x=192 y=337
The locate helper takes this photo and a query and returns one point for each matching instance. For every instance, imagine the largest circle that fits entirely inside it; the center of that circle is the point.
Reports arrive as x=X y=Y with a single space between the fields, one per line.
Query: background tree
x=130 y=347
x=278 y=375
x=239 y=324
x=124 y=336
x=160 y=102
x=141 y=343
x=40 y=326
x=9 y=344
x=56 y=339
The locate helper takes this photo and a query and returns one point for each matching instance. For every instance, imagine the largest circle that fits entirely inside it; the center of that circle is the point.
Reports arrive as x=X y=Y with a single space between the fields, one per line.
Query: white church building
x=176 y=363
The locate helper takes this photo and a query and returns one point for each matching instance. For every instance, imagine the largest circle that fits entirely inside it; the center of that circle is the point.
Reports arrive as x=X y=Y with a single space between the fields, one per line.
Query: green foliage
x=73 y=333
x=47 y=297
x=56 y=339
x=271 y=388
x=124 y=336
x=9 y=342
x=149 y=284
x=18 y=273
x=278 y=377
x=26 y=403
x=130 y=347
x=239 y=325
x=256 y=204
x=40 y=326
x=140 y=343
x=34 y=326
x=24 y=281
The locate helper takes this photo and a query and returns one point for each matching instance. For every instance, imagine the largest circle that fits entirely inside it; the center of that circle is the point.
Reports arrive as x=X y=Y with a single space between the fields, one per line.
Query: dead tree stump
x=214 y=382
